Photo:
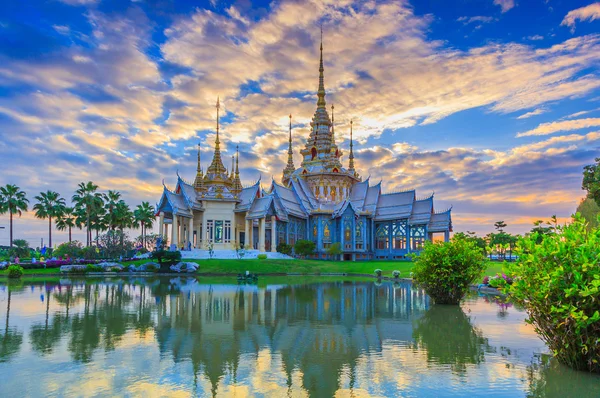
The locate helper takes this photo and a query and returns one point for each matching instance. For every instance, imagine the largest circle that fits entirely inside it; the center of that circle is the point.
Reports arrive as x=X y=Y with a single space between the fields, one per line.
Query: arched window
x=313 y=152
x=335 y=170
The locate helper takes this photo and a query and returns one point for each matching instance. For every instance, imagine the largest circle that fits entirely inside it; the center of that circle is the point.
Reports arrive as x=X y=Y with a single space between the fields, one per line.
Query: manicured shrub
x=262 y=256
x=151 y=267
x=304 y=247
x=396 y=274
x=335 y=250
x=90 y=253
x=94 y=268
x=378 y=272
x=69 y=250
x=558 y=283
x=15 y=271
x=166 y=258
x=284 y=248
x=446 y=269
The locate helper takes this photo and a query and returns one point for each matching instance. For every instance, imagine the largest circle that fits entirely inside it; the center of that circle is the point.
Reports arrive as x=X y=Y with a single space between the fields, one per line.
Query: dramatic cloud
x=123 y=97
x=587 y=13
x=567 y=125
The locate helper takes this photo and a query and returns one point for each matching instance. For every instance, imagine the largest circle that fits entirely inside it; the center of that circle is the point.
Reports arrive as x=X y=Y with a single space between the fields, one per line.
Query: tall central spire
x=289 y=168
x=321 y=92
x=216 y=171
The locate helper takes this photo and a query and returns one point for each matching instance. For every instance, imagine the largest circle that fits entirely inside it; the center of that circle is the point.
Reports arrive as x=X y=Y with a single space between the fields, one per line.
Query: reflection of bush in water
x=548 y=378
x=449 y=338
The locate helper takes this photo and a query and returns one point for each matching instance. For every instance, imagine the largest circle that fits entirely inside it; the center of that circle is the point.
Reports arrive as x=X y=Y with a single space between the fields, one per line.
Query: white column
x=251 y=236
x=321 y=191
x=161 y=222
x=174 y=232
x=165 y=232
x=247 y=233
x=181 y=236
x=261 y=234
x=203 y=233
x=273 y=234
x=191 y=230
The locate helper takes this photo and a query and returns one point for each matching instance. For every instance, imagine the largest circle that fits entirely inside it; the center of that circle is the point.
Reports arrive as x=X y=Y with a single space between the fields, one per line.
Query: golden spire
x=351 y=157
x=217 y=172
x=332 y=127
x=232 y=164
x=321 y=92
x=289 y=168
x=237 y=184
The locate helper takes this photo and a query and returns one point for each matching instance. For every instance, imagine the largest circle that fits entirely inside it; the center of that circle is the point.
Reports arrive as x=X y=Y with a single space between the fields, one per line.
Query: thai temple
x=321 y=200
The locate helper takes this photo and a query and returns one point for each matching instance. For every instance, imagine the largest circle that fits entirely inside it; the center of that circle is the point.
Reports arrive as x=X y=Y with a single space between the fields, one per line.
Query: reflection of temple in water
x=319 y=329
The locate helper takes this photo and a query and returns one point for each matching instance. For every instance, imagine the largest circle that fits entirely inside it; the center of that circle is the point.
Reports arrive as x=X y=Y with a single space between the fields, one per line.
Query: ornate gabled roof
x=372 y=197
x=440 y=222
x=289 y=200
x=247 y=196
x=305 y=194
x=342 y=206
x=188 y=191
x=177 y=203
x=259 y=208
x=421 y=212
x=397 y=205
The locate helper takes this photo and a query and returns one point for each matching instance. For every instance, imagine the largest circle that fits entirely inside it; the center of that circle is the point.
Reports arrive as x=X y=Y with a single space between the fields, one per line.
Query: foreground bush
x=15 y=271
x=445 y=270
x=69 y=250
x=166 y=258
x=262 y=256
x=558 y=283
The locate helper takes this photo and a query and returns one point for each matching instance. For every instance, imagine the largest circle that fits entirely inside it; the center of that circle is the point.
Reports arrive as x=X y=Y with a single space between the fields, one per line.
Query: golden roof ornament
x=216 y=172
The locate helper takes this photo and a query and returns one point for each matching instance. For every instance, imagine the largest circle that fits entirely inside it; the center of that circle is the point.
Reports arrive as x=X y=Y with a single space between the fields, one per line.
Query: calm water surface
x=293 y=337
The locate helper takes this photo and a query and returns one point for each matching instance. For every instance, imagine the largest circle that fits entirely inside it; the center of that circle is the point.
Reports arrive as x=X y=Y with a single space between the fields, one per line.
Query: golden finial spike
x=218 y=107
x=321 y=92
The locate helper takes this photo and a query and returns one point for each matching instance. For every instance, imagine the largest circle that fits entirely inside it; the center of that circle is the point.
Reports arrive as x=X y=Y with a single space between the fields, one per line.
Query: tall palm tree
x=111 y=199
x=144 y=216
x=123 y=216
x=50 y=205
x=67 y=220
x=12 y=201
x=87 y=200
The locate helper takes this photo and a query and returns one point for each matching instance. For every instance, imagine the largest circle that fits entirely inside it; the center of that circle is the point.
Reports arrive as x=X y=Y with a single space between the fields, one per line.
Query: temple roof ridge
x=400 y=191
x=447 y=210
x=425 y=198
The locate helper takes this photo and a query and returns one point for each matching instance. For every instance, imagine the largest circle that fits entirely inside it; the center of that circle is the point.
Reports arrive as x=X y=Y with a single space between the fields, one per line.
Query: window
x=399 y=234
x=358 y=232
x=218 y=231
x=417 y=237
x=382 y=239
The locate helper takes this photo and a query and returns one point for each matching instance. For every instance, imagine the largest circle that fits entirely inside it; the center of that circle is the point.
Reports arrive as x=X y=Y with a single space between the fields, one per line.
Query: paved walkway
x=198 y=254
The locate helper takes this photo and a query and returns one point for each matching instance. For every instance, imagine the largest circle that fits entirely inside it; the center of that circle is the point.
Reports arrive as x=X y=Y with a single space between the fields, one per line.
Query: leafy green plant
x=304 y=247
x=558 y=283
x=15 y=271
x=378 y=273
x=166 y=258
x=211 y=250
x=94 y=268
x=446 y=269
x=151 y=267
x=284 y=248
x=90 y=253
x=396 y=274
x=334 y=250
x=262 y=256
x=20 y=249
x=72 y=249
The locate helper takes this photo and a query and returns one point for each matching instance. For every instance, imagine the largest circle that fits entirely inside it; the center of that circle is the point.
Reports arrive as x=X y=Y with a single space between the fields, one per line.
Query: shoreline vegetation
x=232 y=267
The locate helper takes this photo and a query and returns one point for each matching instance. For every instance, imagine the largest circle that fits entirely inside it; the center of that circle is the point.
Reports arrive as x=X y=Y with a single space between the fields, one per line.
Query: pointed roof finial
x=218 y=107
x=199 y=167
x=289 y=168
x=321 y=92
x=332 y=126
x=351 y=156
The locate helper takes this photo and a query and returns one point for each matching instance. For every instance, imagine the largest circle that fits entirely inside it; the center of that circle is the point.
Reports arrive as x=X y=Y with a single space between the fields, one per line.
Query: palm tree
x=111 y=199
x=144 y=216
x=67 y=220
x=123 y=217
x=88 y=200
x=13 y=201
x=49 y=205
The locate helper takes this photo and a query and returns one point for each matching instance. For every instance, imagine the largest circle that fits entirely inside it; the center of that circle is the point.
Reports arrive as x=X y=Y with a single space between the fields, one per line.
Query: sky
x=493 y=105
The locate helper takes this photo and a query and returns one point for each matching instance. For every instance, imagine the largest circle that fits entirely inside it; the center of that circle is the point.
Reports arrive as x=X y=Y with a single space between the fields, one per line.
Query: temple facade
x=321 y=200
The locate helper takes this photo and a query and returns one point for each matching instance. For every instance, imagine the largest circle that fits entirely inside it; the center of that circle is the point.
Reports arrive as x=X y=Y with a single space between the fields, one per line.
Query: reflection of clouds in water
x=182 y=338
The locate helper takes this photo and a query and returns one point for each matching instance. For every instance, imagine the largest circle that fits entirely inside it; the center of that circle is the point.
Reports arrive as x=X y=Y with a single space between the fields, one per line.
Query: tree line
x=90 y=210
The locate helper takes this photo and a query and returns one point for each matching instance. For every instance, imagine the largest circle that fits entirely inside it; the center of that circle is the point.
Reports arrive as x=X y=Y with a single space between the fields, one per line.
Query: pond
x=284 y=337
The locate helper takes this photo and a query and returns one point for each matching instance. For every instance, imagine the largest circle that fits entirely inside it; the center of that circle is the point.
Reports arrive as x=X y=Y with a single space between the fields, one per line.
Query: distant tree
x=335 y=250
x=500 y=225
x=12 y=201
x=66 y=221
x=591 y=181
x=20 y=248
x=123 y=216
x=88 y=200
x=144 y=217
x=590 y=211
x=110 y=202
x=49 y=205
x=541 y=230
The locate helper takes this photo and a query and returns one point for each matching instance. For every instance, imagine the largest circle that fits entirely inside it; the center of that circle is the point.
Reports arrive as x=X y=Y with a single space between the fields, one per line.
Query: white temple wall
x=218 y=212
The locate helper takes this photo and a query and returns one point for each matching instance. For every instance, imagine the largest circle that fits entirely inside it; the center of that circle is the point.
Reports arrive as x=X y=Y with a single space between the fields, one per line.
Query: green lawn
x=303 y=267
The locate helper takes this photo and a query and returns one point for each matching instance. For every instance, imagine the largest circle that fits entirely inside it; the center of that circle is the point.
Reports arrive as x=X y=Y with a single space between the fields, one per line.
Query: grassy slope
x=290 y=266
